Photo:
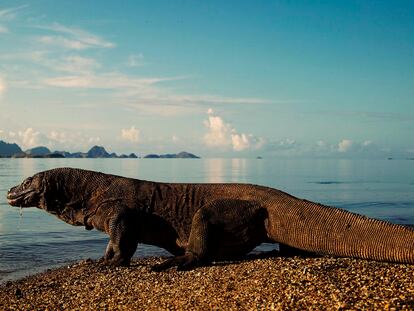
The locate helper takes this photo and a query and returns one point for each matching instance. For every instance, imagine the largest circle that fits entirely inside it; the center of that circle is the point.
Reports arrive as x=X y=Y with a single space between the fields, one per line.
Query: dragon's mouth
x=20 y=199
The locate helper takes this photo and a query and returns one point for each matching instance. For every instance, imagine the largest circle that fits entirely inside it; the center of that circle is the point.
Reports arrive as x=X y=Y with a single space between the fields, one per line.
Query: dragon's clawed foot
x=183 y=263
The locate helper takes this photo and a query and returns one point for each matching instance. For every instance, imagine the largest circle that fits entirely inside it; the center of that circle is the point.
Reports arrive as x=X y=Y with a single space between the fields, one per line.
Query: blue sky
x=219 y=78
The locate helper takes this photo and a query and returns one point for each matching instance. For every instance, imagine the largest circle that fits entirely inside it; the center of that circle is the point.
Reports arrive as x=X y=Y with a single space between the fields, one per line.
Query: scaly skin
x=199 y=223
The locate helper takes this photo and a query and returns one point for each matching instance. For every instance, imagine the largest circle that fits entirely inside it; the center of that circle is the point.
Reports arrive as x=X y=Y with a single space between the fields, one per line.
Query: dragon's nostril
x=10 y=192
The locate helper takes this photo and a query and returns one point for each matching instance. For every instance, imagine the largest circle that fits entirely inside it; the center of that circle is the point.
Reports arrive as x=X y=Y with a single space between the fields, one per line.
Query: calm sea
x=35 y=240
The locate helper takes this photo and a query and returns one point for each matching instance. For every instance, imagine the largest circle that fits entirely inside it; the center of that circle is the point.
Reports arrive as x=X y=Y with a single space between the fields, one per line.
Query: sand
x=260 y=284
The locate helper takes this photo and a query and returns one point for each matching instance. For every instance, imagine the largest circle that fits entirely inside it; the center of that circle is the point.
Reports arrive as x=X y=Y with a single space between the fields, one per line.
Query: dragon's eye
x=27 y=183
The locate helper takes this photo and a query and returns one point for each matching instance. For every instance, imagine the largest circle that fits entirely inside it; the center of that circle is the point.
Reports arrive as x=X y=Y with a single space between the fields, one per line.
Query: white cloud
x=70 y=81
x=73 y=38
x=161 y=101
x=114 y=81
x=132 y=134
x=218 y=134
x=287 y=143
x=29 y=138
x=240 y=141
x=54 y=140
x=343 y=148
x=221 y=134
x=63 y=42
x=75 y=65
x=212 y=99
x=345 y=145
x=83 y=36
x=57 y=136
x=9 y=14
x=67 y=141
x=94 y=140
x=284 y=146
x=78 y=64
x=246 y=141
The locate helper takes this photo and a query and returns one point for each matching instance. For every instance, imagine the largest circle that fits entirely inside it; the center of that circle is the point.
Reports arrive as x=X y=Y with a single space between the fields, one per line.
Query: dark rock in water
x=38 y=151
x=9 y=150
x=19 y=155
x=48 y=156
x=168 y=156
x=54 y=156
x=152 y=156
x=124 y=156
x=186 y=155
x=181 y=155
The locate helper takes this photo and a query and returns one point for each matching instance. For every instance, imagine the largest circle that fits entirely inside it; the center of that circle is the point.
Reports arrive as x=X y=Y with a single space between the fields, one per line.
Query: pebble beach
x=271 y=283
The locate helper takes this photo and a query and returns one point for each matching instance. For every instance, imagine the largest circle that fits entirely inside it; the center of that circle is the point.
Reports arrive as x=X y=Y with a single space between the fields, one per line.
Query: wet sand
x=261 y=283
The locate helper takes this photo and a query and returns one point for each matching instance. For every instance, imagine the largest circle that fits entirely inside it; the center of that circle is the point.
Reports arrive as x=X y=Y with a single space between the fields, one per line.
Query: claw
x=183 y=263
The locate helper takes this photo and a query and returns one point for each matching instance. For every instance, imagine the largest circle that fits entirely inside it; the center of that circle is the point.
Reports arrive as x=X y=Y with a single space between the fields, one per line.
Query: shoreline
x=254 y=283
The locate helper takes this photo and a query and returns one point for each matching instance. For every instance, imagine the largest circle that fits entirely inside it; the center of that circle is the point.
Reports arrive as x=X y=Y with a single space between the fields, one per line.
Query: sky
x=216 y=78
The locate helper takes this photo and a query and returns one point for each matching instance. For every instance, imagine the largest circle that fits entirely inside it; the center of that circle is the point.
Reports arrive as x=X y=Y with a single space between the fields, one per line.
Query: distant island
x=181 y=155
x=95 y=152
x=8 y=150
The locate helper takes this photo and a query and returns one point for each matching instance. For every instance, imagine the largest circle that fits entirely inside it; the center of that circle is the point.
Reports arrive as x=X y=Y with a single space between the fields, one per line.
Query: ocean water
x=34 y=240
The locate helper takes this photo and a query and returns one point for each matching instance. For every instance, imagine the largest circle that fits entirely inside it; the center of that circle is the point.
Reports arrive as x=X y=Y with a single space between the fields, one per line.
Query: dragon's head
x=56 y=192
x=29 y=193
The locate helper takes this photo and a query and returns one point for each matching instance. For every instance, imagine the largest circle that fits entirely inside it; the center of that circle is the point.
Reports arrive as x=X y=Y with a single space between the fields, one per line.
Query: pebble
x=320 y=283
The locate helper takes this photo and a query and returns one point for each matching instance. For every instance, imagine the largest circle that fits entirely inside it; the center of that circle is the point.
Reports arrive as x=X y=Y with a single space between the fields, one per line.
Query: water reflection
x=226 y=170
x=238 y=170
x=214 y=170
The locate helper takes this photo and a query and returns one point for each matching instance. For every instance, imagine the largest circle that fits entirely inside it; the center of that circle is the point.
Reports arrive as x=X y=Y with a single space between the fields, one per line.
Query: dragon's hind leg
x=224 y=229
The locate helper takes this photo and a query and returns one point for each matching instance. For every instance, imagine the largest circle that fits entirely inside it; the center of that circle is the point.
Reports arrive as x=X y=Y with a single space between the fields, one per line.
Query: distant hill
x=187 y=155
x=181 y=155
x=96 y=152
x=99 y=152
x=14 y=151
x=8 y=150
x=38 y=151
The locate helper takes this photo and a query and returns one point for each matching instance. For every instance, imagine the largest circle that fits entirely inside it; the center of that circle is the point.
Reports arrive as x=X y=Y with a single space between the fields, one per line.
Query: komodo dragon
x=200 y=223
